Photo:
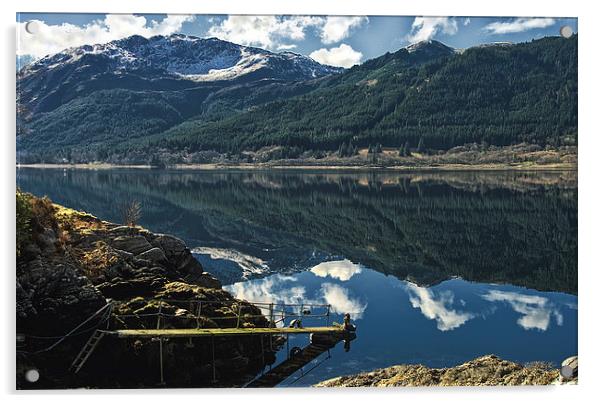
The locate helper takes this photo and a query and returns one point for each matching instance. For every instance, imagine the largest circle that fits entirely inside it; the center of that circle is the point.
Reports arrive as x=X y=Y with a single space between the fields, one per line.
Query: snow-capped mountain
x=187 y=57
x=166 y=63
x=136 y=86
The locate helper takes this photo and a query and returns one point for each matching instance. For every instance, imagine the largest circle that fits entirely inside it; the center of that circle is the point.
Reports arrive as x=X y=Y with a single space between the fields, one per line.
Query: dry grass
x=97 y=260
x=73 y=220
x=43 y=214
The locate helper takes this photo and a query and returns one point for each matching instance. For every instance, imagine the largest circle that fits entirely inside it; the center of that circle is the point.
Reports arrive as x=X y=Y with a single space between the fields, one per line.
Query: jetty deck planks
x=223 y=331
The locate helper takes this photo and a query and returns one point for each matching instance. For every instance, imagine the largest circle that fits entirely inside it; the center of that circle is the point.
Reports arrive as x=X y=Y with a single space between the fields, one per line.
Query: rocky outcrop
x=75 y=263
x=483 y=371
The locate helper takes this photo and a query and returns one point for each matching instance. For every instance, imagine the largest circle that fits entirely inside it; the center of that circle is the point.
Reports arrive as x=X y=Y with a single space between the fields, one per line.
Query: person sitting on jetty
x=347 y=323
x=295 y=323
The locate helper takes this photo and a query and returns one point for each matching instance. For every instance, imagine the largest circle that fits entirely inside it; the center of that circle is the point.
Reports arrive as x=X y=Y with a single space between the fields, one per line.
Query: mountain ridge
x=447 y=97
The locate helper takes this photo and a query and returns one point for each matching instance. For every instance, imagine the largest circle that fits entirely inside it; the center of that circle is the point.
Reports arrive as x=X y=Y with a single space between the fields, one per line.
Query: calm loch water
x=435 y=268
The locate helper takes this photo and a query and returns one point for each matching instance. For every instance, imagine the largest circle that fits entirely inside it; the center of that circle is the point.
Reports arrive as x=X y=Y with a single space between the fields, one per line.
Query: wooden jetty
x=322 y=338
x=296 y=362
x=168 y=333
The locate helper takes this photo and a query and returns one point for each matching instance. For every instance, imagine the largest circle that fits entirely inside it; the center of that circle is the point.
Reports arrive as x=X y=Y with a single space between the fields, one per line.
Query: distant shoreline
x=314 y=167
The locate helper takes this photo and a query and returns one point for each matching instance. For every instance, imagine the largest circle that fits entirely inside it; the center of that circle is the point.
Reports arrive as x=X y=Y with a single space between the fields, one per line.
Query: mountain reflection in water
x=518 y=228
x=435 y=268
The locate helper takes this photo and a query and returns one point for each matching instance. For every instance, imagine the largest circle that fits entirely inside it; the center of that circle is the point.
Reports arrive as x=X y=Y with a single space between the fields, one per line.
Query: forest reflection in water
x=435 y=268
x=500 y=227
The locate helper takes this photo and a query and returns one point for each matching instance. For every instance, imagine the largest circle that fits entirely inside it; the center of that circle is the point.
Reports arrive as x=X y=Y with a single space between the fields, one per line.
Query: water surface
x=435 y=268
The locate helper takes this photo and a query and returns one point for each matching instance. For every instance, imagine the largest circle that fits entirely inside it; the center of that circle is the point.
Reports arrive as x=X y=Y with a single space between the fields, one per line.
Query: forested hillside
x=426 y=96
x=496 y=94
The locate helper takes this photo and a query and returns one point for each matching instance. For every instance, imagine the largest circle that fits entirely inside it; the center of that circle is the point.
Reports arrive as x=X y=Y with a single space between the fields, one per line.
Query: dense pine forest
x=427 y=97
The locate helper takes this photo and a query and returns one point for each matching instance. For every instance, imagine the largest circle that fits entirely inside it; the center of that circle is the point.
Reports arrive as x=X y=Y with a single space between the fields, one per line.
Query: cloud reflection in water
x=341 y=270
x=437 y=308
x=280 y=289
x=536 y=310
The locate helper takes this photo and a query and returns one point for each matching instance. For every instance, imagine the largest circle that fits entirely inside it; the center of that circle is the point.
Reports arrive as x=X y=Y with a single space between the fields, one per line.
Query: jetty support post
x=159 y=314
x=288 y=353
x=213 y=357
x=262 y=351
x=238 y=315
x=162 y=382
x=198 y=315
x=272 y=324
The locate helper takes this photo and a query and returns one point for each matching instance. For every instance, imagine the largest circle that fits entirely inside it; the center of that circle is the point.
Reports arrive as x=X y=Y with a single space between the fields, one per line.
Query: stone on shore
x=488 y=370
x=135 y=244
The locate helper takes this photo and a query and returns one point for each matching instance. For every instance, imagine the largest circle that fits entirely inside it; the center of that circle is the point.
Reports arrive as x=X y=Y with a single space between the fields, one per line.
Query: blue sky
x=340 y=40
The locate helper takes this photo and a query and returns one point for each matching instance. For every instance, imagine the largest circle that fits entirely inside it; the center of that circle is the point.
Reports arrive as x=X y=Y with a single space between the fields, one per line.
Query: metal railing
x=275 y=313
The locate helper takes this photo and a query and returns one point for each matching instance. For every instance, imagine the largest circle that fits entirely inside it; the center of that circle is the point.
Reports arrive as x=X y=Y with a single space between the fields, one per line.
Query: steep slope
x=496 y=94
x=135 y=86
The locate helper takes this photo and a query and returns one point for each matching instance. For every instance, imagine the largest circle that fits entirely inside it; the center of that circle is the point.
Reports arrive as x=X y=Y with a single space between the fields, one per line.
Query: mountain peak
x=185 y=57
x=430 y=46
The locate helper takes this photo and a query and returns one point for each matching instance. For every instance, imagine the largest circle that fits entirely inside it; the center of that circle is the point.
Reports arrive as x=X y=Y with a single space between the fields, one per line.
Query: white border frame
x=589 y=219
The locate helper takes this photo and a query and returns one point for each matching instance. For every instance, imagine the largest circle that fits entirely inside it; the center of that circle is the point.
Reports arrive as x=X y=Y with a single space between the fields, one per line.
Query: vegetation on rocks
x=483 y=371
x=71 y=264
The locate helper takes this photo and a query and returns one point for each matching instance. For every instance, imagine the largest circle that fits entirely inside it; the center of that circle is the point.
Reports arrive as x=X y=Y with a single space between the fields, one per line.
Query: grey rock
x=134 y=244
x=24 y=303
x=158 y=271
x=124 y=254
x=123 y=230
x=30 y=251
x=47 y=241
x=54 y=295
x=122 y=269
x=568 y=369
x=205 y=280
x=141 y=263
x=188 y=264
x=154 y=255
x=172 y=246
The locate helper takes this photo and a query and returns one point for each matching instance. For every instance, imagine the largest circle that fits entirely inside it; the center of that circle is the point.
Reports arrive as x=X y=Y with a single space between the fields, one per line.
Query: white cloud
x=53 y=38
x=342 y=270
x=341 y=56
x=425 y=28
x=518 y=25
x=535 y=310
x=269 y=32
x=438 y=308
x=286 y=47
x=277 y=32
x=335 y=29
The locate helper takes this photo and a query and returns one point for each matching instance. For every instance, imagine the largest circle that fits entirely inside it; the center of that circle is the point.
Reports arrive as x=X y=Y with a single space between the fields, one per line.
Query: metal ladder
x=86 y=351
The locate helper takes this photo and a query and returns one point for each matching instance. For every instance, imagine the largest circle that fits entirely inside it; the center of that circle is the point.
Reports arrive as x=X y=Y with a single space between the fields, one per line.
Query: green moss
x=23 y=220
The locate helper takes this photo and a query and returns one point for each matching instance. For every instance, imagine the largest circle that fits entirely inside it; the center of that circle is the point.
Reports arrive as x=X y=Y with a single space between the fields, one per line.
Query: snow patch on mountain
x=187 y=57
